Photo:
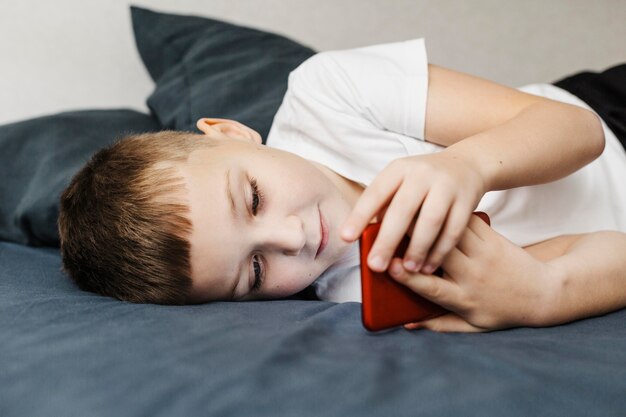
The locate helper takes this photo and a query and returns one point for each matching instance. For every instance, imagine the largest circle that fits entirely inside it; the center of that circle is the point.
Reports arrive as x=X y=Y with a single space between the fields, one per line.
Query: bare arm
x=591 y=277
x=496 y=138
x=512 y=138
x=490 y=283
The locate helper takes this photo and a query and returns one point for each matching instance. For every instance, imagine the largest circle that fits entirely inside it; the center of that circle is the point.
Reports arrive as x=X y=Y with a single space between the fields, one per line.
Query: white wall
x=71 y=54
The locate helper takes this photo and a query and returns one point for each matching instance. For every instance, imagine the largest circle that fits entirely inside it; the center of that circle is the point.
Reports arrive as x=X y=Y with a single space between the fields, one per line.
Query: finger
x=480 y=227
x=381 y=214
x=398 y=217
x=469 y=243
x=429 y=222
x=374 y=197
x=453 y=229
x=450 y=322
x=456 y=266
x=484 y=216
x=409 y=230
x=438 y=290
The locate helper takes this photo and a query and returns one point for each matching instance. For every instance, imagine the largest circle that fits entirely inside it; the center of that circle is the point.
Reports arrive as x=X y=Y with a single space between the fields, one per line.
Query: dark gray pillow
x=209 y=68
x=38 y=157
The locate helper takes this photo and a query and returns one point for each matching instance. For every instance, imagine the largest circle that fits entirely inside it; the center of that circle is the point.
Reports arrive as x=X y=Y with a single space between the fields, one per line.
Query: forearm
x=590 y=278
x=542 y=143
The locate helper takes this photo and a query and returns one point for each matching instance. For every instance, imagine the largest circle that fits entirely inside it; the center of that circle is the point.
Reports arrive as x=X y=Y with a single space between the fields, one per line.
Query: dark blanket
x=65 y=352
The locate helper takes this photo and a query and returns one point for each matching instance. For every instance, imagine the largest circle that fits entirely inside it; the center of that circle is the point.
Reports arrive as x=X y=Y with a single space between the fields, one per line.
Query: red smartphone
x=385 y=302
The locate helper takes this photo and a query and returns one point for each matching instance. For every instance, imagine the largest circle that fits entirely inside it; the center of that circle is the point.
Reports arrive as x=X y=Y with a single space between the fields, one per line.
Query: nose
x=285 y=235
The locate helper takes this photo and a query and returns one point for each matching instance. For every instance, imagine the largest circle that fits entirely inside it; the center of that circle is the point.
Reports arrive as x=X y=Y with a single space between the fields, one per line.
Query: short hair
x=124 y=221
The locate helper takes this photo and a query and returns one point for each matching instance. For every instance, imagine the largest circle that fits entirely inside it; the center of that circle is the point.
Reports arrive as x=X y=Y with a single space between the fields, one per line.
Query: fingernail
x=377 y=262
x=395 y=268
x=411 y=266
x=428 y=269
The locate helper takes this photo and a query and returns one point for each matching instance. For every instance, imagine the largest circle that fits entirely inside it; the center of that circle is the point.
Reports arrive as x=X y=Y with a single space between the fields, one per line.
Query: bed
x=65 y=352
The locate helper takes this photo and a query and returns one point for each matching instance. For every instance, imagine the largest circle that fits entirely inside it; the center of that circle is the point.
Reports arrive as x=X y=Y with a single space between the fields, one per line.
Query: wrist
x=476 y=163
x=549 y=307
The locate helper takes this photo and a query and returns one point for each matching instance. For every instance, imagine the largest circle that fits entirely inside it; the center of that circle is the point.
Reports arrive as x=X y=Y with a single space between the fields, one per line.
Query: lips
x=323 y=235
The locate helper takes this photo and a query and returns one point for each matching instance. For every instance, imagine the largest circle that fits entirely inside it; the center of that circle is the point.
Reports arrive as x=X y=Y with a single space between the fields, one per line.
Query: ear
x=231 y=128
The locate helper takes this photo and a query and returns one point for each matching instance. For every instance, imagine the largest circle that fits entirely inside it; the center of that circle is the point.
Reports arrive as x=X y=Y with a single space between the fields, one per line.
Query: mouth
x=323 y=234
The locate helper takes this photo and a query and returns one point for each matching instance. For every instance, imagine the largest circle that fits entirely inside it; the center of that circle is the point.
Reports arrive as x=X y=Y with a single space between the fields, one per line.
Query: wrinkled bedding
x=68 y=352
x=65 y=352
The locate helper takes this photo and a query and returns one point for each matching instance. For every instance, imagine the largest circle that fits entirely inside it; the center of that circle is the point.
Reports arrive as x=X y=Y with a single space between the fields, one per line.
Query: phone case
x=385 y=302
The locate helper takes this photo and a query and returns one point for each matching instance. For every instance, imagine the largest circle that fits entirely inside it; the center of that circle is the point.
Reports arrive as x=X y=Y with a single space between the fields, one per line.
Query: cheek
x=305 y=172
x=289 y=282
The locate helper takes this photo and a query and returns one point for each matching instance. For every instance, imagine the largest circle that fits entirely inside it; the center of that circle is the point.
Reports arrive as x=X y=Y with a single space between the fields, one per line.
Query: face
x=260 y=217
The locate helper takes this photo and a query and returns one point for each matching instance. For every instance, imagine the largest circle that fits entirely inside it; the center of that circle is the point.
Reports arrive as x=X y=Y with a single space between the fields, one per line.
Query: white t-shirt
x=357 y=110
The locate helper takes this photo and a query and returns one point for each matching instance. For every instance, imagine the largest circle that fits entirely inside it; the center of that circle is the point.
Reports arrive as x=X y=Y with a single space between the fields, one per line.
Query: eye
x=258 y=274
x=257 y=196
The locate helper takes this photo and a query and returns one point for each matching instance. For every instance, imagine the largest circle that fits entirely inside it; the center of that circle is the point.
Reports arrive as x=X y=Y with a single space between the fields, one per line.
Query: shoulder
x=387 y=59
x=318 y=69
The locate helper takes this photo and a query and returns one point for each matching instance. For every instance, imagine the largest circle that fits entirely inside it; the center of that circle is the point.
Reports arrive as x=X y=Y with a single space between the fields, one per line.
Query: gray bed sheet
x=64 y=352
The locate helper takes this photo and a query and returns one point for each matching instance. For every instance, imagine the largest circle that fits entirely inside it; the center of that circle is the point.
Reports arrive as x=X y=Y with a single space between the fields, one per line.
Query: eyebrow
x=233 y=211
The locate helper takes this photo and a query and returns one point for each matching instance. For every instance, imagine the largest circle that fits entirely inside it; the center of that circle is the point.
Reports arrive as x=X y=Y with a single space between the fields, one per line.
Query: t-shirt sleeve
x=356 y=110
x=385 y=85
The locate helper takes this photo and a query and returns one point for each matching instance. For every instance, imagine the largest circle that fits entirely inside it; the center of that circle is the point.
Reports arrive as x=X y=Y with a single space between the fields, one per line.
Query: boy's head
x=177 y=217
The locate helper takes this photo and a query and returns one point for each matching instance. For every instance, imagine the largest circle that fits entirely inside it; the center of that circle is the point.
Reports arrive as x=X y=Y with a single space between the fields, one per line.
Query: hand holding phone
x=385 y=302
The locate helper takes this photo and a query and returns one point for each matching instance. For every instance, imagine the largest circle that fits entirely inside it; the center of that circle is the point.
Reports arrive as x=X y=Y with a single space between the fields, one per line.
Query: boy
x=175 y=217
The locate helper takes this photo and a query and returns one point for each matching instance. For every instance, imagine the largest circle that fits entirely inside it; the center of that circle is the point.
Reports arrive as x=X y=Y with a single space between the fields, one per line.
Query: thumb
x=449 y=322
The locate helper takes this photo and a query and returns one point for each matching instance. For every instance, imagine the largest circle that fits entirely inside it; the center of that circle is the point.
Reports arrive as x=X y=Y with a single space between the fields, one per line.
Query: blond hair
x=124 y=220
